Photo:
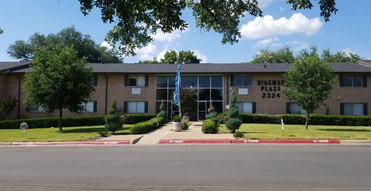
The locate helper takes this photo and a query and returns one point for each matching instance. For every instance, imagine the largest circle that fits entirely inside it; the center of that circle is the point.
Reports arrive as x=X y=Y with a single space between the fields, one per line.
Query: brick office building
x=139 y=88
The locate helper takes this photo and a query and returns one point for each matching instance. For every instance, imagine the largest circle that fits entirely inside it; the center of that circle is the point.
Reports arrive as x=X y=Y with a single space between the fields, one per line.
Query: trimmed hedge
x=210 y=127
x=71 y=121
x=147 y=126
x=315 y=119
x=53 y=122
x=136 y=118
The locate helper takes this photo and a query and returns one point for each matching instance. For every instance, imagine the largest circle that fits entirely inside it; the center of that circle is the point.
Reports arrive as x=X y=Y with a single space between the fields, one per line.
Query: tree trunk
x=306 y=121
x=60 y=120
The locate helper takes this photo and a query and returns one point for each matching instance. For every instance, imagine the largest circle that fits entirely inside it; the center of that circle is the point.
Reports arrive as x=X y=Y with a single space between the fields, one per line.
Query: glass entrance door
x=201 y=110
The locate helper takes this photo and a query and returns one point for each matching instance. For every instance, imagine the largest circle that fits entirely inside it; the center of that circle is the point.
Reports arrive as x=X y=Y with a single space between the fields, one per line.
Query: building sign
x=243 y=91
x=271 y=88
x=135 y=91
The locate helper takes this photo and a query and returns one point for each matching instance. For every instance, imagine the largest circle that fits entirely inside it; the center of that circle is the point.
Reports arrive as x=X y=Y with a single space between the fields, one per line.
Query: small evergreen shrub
x=233 y=124
x=113 y=122
x=136 y=118
x=176 y=118
x=222 y=117
x=238 y=134
x=209 y=127
x=212 y=115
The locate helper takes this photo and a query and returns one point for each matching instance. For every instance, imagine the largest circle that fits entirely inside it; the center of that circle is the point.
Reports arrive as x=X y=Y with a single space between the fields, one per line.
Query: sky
x=349 y=30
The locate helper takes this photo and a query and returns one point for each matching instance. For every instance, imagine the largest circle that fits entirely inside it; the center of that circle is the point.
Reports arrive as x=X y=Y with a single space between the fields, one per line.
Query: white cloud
x=107 y=45
x=264 y=3
x=267 y=42
x=348 y=52
x=297 y=46
x=146 y=53
x=200 y=56
x=267 y=26
x=162 y=54
x=168 y=37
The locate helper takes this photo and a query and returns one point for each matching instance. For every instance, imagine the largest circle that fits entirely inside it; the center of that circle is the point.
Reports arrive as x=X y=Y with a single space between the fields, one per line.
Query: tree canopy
x=58 y=79
x=309 y=82
x=174 y=57
x=285 y=55
x=84 y=45
x=136 y=20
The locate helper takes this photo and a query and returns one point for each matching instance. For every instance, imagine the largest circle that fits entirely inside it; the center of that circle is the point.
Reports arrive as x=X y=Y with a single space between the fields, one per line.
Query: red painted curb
x=244 y=141
x=82 y=143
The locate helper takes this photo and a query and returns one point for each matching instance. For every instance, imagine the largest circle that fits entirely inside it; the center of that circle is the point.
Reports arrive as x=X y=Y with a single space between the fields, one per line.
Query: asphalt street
x=187 y=168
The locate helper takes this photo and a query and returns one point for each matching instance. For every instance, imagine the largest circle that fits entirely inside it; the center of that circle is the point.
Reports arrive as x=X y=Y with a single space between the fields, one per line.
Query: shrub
x=212 y=115
x=222 y=117
x=147 y=126
x=176 y=118
x=233 y=124
x=238 y=134
x=113 y=122
x=137 y=118
x=209 y=127
x=104 y=133
x=260 y=118
x=185 y=124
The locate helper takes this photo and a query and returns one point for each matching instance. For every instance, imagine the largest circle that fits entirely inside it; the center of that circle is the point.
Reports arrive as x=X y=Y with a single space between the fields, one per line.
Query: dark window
x=240 y=80
x=204 y=81
x=353 y=109
x=216 y=81
x=353 y=81
x=162 y=81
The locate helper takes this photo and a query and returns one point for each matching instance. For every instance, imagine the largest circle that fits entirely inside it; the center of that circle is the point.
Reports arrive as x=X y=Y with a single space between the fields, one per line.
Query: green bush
x=238 y=134
x=113 y=122
x=209 y=127
x=260 y=118
x=212 y=115
x=233 y=124
x=147 y=126
x=53 y=122
x=222 y=117
x=137 y=118
x=185 y=124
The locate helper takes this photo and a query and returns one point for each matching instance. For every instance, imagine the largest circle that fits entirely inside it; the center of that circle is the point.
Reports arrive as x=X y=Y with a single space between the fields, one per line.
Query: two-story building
x=139 y=88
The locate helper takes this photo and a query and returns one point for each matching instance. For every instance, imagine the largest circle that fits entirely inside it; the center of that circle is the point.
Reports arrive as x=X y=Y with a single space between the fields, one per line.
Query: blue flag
x=177 y=88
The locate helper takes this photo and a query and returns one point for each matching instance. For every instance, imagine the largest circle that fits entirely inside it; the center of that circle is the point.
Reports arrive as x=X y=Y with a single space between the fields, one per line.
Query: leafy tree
x=309 y=82
x=58 y=79
x=113 y=121
x=342 y=56
x=8 y=104
x=233 y=123
x=188 y=101
x=154 y=61
x=183 y=57
x=283 y=55
x=69 y=36
x=136 y=20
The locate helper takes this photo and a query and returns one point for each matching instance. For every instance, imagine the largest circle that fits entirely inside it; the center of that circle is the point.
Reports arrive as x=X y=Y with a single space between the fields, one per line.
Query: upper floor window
x=94 y=80
x=353 y=81
x=136 y=80
x=241 y=80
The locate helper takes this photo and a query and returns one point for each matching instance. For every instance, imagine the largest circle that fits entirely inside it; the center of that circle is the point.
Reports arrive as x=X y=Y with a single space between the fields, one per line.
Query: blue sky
x=349 y=30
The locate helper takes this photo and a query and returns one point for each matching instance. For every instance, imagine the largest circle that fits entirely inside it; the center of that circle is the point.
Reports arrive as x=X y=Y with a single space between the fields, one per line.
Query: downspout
x=106 y=96
x=19 y=98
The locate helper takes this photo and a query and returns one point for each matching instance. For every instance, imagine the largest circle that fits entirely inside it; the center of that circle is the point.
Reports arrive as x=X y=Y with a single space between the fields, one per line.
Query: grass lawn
x=273 y=131
x=52 y=134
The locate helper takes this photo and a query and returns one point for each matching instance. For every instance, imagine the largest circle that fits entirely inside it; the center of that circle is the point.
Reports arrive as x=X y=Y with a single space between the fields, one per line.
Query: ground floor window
x=353 y=109
x=293 y=108
x=90 y=106
x=246 y=107
x=135 y=107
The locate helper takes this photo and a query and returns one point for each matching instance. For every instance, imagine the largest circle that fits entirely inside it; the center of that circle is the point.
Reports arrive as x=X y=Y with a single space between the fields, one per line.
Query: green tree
x=234 y=122
x=135 y=21
x=342 y=56
x=113 y=121
x=153 y=61
x=283 y=55
x=309 y=82
x=58 y=79
x=183 y=57
x=8 y=104
x=69 y=36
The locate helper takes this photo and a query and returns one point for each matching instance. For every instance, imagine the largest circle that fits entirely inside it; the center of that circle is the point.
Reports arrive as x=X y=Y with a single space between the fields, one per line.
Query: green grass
x=274 y=131
x=53 y=135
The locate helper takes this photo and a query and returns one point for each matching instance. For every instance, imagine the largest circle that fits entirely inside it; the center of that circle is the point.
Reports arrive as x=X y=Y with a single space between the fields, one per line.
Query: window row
x=190 y=81
x=353 y=81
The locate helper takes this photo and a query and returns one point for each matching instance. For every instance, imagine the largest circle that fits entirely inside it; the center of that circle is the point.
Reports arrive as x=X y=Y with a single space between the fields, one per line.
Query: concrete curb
x=244 y=141
x=76 y=143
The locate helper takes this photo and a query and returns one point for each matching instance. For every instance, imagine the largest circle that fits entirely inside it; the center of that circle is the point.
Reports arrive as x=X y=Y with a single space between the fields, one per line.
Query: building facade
x=140 y=88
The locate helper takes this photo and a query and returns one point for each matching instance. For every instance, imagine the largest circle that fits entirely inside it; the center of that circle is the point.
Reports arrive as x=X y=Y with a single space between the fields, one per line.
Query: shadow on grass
x=255 y=132
x=83 y=130
x=346 y=130
x=121 y=133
